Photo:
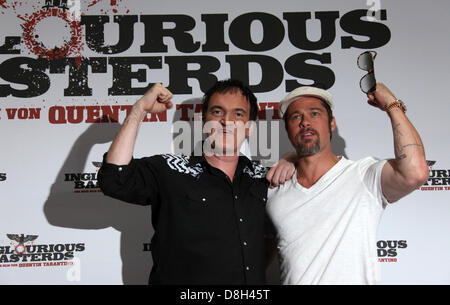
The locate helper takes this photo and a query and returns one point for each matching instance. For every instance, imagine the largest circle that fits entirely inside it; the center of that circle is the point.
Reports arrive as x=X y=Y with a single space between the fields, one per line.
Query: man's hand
x=280 y=172
x=381 y=97
x=156 y=99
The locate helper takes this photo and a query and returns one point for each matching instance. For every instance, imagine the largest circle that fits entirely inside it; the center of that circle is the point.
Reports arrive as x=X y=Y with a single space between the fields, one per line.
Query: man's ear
x=333 y=124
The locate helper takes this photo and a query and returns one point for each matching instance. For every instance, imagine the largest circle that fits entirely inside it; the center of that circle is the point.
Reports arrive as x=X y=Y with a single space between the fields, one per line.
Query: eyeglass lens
x=365 y=61
x=368 y=82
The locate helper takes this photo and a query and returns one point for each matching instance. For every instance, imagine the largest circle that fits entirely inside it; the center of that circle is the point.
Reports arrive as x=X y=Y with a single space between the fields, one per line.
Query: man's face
x=307 y=126
x=225 y=122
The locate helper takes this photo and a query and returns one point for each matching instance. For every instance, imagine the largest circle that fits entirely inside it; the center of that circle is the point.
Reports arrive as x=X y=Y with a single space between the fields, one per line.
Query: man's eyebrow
x=216 y=107
x=240 y=109
x=309 y=109
x=221 y=108
x=291 y=113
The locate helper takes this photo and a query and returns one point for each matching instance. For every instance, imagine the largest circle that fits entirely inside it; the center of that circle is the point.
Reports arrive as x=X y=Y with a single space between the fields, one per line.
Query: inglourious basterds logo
x=438 y=180
x=84 y=182
x=24 y=251
x=82 y=40
x=387 y=250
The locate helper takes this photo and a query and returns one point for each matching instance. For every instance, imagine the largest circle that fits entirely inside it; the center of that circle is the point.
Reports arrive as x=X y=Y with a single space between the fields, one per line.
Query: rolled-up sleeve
x=135 y=182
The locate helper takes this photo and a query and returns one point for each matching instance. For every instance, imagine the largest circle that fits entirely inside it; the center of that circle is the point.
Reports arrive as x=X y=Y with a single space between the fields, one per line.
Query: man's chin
x=308 y=149
x=222 y=150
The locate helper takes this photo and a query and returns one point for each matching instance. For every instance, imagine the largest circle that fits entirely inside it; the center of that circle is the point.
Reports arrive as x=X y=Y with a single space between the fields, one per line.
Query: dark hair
x=329 y=112
x=231 y=85
x=330 y=116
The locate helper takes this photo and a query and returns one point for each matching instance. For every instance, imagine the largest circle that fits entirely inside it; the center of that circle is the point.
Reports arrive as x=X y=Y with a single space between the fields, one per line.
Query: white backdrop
x=50 y=149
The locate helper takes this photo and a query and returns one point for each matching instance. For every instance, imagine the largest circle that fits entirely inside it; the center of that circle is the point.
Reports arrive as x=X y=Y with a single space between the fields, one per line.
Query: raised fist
x=381 y=97
x=156 y=99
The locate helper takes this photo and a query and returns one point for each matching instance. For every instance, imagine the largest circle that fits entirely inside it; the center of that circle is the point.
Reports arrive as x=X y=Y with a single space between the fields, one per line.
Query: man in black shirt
x=208 y=211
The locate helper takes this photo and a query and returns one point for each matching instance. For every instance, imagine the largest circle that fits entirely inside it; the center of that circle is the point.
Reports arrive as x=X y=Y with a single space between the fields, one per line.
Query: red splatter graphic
x=17 y=6
x=114 y=4
x=73 y=46
x=94 y=2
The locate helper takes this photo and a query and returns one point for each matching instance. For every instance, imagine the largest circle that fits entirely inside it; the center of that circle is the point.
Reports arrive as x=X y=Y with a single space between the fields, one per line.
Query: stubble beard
x=305 y=148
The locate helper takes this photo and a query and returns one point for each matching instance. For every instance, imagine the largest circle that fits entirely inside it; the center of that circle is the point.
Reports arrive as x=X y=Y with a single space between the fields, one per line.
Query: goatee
x=306 y=148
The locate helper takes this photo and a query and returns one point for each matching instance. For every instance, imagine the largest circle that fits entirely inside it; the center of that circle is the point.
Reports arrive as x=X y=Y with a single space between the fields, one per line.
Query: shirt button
x=264 y=199
x=204 y=199
x=235 y=197
x=245 y=243
x=119 y=169
x=247 y=268
x=241 y=220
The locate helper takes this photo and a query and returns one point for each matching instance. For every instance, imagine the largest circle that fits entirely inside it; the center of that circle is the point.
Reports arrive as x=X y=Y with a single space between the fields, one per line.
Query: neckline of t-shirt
x=318 y=185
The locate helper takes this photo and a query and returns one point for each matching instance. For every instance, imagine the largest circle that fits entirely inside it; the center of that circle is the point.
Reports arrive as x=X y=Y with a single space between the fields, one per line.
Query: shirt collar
x=193 y=159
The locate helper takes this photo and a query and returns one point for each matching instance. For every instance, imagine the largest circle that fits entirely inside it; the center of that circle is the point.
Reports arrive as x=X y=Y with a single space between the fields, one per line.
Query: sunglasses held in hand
x=365 y=61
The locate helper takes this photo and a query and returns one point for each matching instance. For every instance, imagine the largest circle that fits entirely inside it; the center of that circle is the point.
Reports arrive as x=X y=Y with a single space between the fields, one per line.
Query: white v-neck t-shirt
x=327 y=233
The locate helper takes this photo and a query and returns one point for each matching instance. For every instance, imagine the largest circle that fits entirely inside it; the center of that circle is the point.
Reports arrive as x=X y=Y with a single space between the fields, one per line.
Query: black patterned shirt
x=208 y=230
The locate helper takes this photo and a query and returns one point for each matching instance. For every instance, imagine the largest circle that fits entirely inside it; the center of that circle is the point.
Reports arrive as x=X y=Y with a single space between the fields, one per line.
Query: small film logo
x=387 y=250
x=438 y=180
x=23 y=251
x=84 y=182
x=22 y=239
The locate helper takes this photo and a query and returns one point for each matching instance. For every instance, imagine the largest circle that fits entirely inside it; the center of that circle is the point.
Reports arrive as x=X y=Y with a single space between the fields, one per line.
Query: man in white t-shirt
x=326 y=216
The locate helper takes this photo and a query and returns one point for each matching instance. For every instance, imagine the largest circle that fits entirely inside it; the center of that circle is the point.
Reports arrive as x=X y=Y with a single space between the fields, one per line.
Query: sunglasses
x=365 y=62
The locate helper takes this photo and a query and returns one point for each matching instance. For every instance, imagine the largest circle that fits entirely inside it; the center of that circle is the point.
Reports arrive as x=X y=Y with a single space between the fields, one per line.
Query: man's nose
x=304 y=122
x=227 y=119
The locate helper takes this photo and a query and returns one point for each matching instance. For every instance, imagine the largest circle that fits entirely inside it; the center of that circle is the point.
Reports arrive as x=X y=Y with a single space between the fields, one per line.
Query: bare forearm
x=121 y=150
x=409 y=162
x=407 y=143
x=155 y=100
x=409 y=170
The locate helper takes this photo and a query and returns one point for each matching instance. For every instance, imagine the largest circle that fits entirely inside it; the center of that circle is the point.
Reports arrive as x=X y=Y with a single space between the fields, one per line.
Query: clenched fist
x=381 y=97
x=156 y=99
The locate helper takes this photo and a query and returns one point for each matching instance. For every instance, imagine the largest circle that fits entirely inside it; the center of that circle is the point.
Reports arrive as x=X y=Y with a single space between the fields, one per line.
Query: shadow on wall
x=338 y=144
x=92 y=211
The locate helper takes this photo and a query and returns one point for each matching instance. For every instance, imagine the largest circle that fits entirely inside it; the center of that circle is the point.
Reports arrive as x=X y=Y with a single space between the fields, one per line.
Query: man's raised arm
x=156 y=99
x=409 y=170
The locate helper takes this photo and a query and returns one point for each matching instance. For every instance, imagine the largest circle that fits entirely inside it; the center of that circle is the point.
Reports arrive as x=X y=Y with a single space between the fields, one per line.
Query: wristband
x=397 y=103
